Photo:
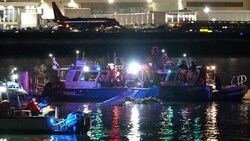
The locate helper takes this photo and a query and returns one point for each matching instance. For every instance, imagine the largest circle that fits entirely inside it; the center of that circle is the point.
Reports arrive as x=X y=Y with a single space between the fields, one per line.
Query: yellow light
x=204 y=30
x=67 y=25
x=209 y=31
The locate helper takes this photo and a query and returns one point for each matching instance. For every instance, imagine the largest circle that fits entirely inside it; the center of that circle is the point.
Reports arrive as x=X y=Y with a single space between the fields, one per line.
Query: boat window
x=13 y=100
x=89 y=76
x=76 y=76
x=4 y=96
x=40 y=80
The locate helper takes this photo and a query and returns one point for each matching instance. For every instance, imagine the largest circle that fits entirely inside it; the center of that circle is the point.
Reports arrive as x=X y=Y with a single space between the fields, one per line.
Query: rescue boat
x=88 y=81
x=15 y=119
x=178 y=84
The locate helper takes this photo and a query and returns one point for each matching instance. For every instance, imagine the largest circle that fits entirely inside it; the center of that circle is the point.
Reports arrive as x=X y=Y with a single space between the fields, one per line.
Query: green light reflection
x=166 y=131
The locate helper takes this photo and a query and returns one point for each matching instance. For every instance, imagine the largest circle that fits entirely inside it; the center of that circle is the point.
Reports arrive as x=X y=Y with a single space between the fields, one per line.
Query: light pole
x=77 y=54
x=185 y=57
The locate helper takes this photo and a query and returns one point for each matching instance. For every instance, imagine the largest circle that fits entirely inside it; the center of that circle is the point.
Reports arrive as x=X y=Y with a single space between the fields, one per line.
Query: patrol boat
x=15 y=119
x=178 y=84
x=87 y=81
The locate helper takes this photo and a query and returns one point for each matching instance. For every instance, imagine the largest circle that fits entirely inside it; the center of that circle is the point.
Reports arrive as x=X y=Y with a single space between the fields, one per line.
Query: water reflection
x=185 y=119
x=166 y=131
x=197 y=131
x=96 y=132
x=211 y=131
x=210 y=121
x=134 y=133
x=44 y=138
x=114 y=135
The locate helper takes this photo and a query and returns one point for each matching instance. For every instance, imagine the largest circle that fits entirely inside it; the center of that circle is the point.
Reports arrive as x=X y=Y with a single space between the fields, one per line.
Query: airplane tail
x=57 y=13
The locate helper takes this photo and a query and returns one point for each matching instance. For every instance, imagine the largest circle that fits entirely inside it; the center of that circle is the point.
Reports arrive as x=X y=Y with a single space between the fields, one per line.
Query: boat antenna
x=114 y=58
x=108 y=57
x=83 y=54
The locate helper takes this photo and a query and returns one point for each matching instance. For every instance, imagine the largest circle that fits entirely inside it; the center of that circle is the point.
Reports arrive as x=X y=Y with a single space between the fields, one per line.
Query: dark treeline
x=39 y=44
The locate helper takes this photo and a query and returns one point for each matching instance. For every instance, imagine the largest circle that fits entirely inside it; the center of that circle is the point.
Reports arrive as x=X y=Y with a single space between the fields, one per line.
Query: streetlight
x=185 y=57
x=163 y=50
x=51 y=55
x=77 y=54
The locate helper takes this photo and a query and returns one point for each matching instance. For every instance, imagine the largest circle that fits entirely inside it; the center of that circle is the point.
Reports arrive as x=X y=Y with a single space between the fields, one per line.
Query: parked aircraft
x=83 y=24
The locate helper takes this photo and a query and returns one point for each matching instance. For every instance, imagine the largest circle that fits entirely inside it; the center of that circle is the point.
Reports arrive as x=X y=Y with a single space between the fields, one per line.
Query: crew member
x=154 y=53
x=217 y=80
x=55 y=65
x=33 y=107
x=202 y=74
x=193 y=71
x=5 y=108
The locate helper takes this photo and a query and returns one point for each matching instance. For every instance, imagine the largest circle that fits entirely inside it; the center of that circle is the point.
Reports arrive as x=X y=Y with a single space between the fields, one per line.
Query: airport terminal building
x=39 y=13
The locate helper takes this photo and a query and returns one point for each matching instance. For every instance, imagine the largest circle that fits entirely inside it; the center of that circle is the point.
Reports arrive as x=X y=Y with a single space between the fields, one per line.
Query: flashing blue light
x=98 y=68
x=241 y=34
x=52 y=120
x=169 y=71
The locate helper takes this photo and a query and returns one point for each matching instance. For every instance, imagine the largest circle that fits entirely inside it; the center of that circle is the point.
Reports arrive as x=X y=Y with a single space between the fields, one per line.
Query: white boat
x=87 y=81
x=15 y=119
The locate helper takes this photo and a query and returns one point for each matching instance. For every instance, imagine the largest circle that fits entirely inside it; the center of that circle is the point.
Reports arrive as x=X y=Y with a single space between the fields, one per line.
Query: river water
x=168 y=121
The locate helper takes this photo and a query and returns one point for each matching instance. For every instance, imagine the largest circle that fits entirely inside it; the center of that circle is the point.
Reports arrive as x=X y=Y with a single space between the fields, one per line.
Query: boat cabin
x=14 y=93
x=83 y=75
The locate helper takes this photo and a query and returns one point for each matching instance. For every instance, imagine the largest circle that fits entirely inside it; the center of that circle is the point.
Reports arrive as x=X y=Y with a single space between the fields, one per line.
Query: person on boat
x=202 y=75
x=183 y=65
x=154 y=53
x=33 y=107
x=193 y=71
x=164 y=59
x=5 y=108
x=55 y=65
x=217 y=80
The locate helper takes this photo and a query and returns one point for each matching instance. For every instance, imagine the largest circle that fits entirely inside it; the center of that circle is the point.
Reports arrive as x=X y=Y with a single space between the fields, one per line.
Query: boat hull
x=231 y=93
x=77 y=122
x=100 y=94
x=26 y=125
x=202 y=93
x=184 y=93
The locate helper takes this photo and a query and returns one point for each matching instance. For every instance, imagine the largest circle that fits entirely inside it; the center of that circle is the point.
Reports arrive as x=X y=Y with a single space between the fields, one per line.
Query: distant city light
x=206 y=9
x=111 y=1
x=72 y=4
x=50 y=55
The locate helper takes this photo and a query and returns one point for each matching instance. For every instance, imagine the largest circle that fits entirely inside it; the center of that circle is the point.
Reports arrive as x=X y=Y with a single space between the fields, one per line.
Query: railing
x=238 y=80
